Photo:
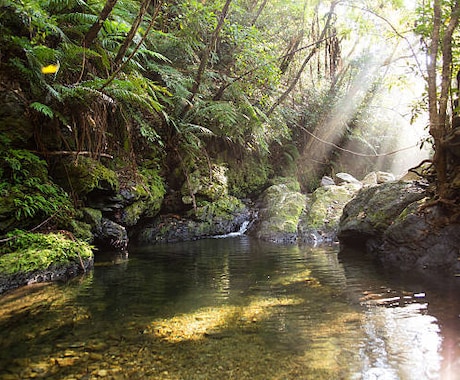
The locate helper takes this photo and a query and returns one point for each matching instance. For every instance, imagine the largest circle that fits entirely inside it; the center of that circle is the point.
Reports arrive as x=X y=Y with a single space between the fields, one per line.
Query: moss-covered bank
x=35 y=257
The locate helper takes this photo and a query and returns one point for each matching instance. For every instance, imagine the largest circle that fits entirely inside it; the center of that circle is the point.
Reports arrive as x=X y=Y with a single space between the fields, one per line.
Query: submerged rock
x=61 y=272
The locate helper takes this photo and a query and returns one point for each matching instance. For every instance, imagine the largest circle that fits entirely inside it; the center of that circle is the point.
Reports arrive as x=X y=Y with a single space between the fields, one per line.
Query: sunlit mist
x=378 y=104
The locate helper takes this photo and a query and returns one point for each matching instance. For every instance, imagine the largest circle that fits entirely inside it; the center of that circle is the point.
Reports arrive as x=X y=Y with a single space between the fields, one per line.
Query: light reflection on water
x=235 y=309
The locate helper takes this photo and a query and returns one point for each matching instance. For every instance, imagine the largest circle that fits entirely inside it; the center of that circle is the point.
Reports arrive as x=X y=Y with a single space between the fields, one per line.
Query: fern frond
x=86 y=91
x=42 y=108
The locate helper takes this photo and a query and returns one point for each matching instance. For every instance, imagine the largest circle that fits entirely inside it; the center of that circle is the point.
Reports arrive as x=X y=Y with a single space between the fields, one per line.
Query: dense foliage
x=266 y=89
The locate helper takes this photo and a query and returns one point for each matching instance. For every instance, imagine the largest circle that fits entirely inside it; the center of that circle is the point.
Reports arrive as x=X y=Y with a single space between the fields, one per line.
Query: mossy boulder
x=142 y=198
x=320 y=221
x=375 y=208
x=84 y=175
x=396 y=224
x=209 y=183
x=248 y=175
x=279 y=215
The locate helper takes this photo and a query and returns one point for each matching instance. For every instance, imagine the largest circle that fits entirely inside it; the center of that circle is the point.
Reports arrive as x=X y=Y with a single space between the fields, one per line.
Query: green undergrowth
x=27 y=195
x=28 y=252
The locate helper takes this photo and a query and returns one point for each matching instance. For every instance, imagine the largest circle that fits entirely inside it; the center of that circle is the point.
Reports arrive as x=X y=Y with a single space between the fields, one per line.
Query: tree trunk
x=96 y=27
x=205 y=56
x=132 y=32
x=259 y=12
x=438 y=105
x=296 y=79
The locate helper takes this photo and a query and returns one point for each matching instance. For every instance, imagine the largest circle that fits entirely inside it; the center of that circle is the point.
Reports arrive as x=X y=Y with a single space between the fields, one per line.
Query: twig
x=69 y=152
x=31 y=230
x=356 y=153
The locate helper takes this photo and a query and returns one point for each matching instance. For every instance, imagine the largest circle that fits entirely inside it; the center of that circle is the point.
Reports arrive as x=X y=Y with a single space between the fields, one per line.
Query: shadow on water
x=230 y=308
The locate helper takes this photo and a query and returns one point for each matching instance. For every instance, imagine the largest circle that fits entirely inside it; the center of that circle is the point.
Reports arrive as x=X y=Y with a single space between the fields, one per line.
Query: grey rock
x=345 y=177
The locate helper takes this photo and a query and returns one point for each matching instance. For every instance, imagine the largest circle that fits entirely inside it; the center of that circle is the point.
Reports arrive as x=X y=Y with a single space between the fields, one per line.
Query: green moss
x=291 y=183
x=284 y=208
x=82 y=230
x=86 y=174
x=326 y=205
x=411 y=209
x=223 y=208
x=152 y=190
x=209 y=184
x=91 y=216
x=248 y=176
x=133 y=212
x=28 y=252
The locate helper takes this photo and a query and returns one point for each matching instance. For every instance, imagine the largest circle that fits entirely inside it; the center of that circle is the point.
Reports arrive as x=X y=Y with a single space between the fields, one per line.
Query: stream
x=233 y=308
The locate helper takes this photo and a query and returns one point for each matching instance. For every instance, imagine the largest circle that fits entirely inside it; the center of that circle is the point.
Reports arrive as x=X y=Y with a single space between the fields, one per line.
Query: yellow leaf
x=51 y=69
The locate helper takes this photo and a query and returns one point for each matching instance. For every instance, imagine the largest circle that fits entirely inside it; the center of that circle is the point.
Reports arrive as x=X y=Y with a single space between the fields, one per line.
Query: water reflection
x=235 y=309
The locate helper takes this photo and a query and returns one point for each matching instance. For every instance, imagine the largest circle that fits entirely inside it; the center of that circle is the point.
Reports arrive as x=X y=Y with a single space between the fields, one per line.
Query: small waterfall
x=243 y=228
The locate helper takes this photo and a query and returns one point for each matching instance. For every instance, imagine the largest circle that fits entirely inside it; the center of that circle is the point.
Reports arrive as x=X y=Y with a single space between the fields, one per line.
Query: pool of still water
x=233 y=308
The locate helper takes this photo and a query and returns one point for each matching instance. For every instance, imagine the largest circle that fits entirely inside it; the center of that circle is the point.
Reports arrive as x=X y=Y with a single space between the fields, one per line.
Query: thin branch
x=133 y=53
x=242 y=76
x=296 y=79
x=69 y=152
x=400 y=35
x=356 y=153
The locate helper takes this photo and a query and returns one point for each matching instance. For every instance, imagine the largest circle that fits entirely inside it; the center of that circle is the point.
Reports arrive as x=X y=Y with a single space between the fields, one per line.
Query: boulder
x=320 y=220
x=378 y=177
x=390 y=223
x=111 y=236
x=417 y=240
x=327 y=181
x=348 y=178
x=61 y=272
x=374 y=209
x=206 y=183
x=280 y=209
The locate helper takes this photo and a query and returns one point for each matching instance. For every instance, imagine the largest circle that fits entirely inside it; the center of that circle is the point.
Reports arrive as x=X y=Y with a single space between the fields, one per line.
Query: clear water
x=233 y=308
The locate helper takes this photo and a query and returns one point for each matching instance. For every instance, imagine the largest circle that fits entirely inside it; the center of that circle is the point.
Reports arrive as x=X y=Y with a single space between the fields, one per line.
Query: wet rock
x=279 y=214
x=319 y=222
x=374 y=209
x=111 y=236
x=221 y=217
x=417 y=240
x=53 y=273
